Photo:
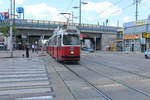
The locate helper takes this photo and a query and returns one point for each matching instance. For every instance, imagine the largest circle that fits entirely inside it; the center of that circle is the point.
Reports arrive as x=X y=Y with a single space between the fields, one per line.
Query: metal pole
x=14 y=9
x=95 y=43
x=72 y=17
x=23 y=15
x=80 y=13
x=136 y=15
x=11 y=29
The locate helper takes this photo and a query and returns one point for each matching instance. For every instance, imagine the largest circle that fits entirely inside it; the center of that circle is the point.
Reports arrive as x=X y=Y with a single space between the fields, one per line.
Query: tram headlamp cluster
x=72 y=52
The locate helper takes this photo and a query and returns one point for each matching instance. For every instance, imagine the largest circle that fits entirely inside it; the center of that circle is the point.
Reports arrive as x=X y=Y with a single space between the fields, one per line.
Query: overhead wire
x=128 y=6
x=123 y=8
x=116 y=3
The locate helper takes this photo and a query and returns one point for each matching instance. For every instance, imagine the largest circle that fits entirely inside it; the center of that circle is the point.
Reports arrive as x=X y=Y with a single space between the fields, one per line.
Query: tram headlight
x=72 y=52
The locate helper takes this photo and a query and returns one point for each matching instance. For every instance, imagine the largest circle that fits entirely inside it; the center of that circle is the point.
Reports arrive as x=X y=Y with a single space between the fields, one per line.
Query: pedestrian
x=36 y=48
x=27 y=51
x=33 y=47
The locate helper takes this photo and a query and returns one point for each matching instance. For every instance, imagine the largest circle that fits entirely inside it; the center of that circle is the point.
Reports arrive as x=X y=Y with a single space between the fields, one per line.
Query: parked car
x=88 y=49
x=2 y=45
x=147 y=54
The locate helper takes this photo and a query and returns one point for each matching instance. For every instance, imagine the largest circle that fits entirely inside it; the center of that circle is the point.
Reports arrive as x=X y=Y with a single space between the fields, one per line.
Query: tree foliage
x=5 y=30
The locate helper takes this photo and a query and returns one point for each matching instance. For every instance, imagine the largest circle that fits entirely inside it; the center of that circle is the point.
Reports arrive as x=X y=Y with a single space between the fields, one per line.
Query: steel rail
x=104 y=95
x=119 y=82
x=123 y=70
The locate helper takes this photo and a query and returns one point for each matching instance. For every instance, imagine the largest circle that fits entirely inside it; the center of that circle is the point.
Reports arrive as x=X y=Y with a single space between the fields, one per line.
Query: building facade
x=137 y=35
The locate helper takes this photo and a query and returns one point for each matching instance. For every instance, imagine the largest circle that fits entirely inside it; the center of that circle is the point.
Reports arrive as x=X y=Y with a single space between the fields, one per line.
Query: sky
x=94 y=12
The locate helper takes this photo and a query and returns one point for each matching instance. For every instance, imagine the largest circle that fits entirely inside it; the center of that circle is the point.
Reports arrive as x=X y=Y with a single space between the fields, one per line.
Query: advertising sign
x=143 y=22
x=2 y=17
x=146 y=35
x=132 y=36
x=6 y=14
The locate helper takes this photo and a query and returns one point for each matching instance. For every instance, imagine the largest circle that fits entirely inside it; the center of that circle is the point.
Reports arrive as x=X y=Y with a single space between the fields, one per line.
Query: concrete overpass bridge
x=99 y=35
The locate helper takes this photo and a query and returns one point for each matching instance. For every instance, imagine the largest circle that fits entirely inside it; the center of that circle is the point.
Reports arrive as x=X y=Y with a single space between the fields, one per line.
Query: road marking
x=23 y=79
x=23 y=75
x=21 y=84
x=25 y=91
x=36 y=98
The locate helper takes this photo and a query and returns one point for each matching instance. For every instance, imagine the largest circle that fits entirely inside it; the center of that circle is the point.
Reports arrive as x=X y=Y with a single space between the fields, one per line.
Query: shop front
x=132 y=42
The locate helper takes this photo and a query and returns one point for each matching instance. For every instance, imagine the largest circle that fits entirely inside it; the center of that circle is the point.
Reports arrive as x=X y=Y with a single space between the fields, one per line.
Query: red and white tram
x=64 y=45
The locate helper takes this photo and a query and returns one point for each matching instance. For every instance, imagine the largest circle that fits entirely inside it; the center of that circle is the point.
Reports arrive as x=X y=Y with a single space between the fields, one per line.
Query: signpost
x=20 y=10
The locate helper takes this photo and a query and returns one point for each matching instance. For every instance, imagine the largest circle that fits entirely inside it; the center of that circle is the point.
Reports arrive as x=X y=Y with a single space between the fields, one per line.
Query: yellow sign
x=141 y=22
x=132 y=36
x=146 y=35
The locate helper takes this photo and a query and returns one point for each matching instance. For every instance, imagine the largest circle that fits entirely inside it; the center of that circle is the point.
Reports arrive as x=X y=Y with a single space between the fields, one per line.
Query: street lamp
x=11 y=30
x=80 y=6
x=12 y=21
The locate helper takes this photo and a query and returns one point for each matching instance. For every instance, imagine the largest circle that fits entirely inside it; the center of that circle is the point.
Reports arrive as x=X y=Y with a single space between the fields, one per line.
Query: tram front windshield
x=71 y=40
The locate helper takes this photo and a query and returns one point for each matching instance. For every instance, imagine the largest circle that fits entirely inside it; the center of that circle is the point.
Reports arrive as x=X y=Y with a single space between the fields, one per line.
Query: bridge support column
x=107 y=40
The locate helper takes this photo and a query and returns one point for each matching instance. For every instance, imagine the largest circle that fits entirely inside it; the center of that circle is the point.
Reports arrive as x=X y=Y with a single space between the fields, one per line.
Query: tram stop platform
x=33 y=78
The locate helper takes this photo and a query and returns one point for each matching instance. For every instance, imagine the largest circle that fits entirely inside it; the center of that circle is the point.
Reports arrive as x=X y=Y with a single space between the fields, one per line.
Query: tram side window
x=71 y=40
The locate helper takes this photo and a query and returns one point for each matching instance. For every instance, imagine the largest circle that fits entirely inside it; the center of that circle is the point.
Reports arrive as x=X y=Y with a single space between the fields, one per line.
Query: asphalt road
x=98 y=76
x=108 y=76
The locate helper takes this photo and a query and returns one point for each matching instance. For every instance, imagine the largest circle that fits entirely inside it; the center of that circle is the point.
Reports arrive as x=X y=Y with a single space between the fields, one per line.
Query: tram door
x=59 y=47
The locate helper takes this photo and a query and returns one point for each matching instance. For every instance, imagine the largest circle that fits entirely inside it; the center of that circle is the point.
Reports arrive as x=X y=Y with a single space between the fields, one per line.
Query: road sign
x=20 y=10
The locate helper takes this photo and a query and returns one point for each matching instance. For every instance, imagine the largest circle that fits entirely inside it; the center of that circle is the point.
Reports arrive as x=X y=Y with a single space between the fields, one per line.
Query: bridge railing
x=55 y=24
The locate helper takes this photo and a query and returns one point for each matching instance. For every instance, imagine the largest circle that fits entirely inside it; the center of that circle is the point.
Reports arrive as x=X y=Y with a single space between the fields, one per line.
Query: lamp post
x=11 y=30
x=80 y=14
x=12 y=21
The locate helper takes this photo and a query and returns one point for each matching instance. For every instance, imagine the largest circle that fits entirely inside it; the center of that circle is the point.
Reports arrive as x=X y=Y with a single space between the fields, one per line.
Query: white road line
x=23 y=75
x=25 y=91
x=23 y=79
x=36 y=98
x=22 y=84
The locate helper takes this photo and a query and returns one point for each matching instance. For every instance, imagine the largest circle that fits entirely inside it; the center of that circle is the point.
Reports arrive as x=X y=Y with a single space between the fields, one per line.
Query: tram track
x=119 y=69
x=104 y=95
x=105 y=76
x=100 y=91
x=117 y=81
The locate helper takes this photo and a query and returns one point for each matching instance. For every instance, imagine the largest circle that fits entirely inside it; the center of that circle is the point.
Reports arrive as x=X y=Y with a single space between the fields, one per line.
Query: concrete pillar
x=98 y=43
x=106 y=40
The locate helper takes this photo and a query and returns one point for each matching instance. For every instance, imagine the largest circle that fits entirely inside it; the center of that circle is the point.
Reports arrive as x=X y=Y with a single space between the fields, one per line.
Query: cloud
x=1 y=2
x=127 y=19
x=146 y=1
x=43 y=11
x=104 y=9
x=19 y=1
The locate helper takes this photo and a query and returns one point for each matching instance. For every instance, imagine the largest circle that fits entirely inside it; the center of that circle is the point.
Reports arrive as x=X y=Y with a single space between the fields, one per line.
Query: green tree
x=5 y=30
